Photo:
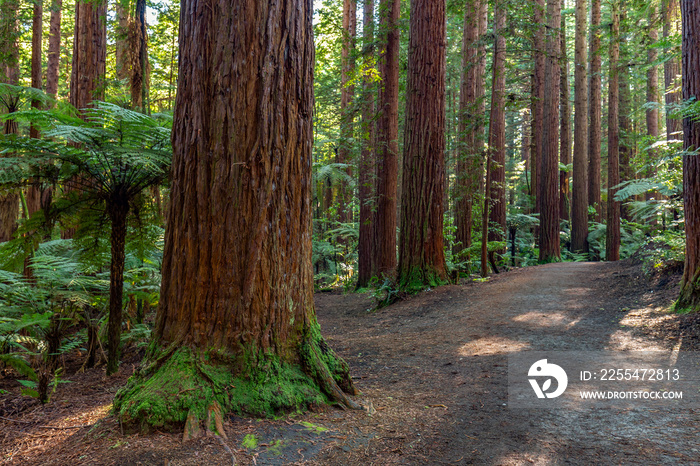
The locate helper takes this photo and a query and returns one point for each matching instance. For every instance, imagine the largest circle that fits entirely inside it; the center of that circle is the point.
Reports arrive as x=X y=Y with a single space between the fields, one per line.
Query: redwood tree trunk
x=595 y=113
x=53 y=55
x=690 y=283
x=139 y=64
x=347 y=94
x=497 y=131
x=652 y=113
x=579 y=196
x=236 y=328
x=421 y=253
x=612 y=242
x=549 y=183
x=538 y=102
x=565 y=132
x=89 y=53
x=388 y=137
x=366 y=257
x=33 y=196
x=117 y=215
x=672 y=68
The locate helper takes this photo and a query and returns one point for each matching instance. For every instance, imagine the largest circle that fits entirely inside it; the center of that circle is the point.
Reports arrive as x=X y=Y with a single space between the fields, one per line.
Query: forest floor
x=434 y=369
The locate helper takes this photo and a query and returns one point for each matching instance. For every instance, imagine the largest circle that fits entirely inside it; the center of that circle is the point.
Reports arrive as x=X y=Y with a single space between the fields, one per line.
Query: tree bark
x=388 y=137
x=497 y=131
x=33 y=196
x=53 y=55
x=626 y=149
x=236 y=328
x=595 y=113
x=579 y=196
x=612 y=242
x=690 y=283
x=421 y=253
x=89 y=53
x=347 y=94
x=652 y=113
x=366 y=257
x=139 y=65
x=117 y=214
x=469 y=147
x=672 y=68
x=538 y=102
x=565 y=131
x=550 y=249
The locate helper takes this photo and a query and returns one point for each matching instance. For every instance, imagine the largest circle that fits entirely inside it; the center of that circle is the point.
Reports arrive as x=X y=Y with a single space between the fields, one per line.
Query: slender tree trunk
x=579 y=196
x=525 y=147
x=469 y=146
x=33 y=196
x=565 y=132
x=595 y=113
x=497 y=130
x=652 y=113
x=549 y=183
x=421 y=252
x=89 y=53
x=625 y=127
x=53 y=55
x=366 y=258
x=236 y=328
x=347 y=94
x=690 y=283
x=538 y=97
x=672 y=68
x=123 y=32
x=388 y=137
x=485 y=219
x=139 y=63
x=612 y=243
x=117 y=215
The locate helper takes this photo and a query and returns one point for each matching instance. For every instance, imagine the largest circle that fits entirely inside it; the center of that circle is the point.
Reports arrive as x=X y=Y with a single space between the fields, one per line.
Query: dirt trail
x=434 y=368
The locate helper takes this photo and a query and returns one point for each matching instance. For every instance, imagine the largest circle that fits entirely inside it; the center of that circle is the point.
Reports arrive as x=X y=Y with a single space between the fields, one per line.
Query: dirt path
x=434 y=368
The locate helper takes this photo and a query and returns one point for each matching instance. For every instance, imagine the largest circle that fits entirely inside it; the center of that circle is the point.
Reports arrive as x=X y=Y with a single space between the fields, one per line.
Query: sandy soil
x=433 y=372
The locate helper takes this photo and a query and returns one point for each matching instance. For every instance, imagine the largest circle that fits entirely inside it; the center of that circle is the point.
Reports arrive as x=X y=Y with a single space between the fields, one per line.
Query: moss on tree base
x=177 y=387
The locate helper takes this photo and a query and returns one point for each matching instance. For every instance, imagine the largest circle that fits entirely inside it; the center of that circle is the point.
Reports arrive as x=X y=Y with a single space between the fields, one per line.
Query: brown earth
x=433 y=372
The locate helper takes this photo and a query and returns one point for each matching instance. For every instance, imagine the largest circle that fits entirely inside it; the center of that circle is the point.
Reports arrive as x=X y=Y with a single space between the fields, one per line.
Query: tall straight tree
x=236 y=328
x=388 y=137
x=690 y=283
x=672 y=67
x=497 y=130
x=366 y=257
x=538 y=77
x=579 y=195
x=595 y=111
x=139 y=65
x=33 y=197
x=469 y=158
x=421 y=252
x=550 y=249
x=53 y=54
x=612 y=237
x=652 y=113
x=89 y=53
x=565 y=131
x=347 y=94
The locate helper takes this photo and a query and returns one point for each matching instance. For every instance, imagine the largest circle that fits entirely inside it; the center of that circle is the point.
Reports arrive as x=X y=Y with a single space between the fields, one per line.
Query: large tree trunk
x=388 y=137
x=550 y=249
x=33 y=196
x=123 y=38
x=236 y=328
x=421 y=253
x=469 y=148
x=366 y=257
x=565 y=132
x=672 y=68
x=612 y=238
x=579 y=196
x=497 y=131
x=139 y=55
x=690 y=283
x=652 y=112
x=538 y=96
x=347 y=94
x=595 y=113
x=53 y=55
x=89 y=53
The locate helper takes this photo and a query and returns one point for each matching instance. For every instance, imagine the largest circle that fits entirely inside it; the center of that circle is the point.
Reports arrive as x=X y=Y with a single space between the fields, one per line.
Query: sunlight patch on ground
x=640 y=319
x=549 y=319
x=528 y=459
x=492 y=345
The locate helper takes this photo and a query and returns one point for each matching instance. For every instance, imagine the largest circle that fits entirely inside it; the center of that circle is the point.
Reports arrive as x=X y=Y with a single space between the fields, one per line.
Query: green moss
x=163 y=393
x=315 y=344
x=250 y=441
x=417 y=279
x=313 y=427
x=275 y=447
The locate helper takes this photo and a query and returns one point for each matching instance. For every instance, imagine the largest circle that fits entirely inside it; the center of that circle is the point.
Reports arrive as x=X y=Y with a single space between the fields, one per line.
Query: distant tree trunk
x=497 y=131
x=652 y=113
x=595 y=113
x=672 y=67
x=525 y=144
x=118 y=215
x=123 y=38
x=421 y=253
x=469 y=147
x=625 y=131
x=388 y=137
x=366 y=257
x=236 y=328
x=612 y=243
x=9 y=68
x=33 y=196
x=690 y=283
x=53 y=55
x=139 y=65
x=550 y=249
x=89 y=53
x=347 y=94
x=565 y=132
x=538 y=102
x=579 y=196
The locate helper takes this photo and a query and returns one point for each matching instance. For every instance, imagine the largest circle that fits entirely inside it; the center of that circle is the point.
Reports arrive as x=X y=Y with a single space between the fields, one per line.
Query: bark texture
x=139 y=65
x=347 y=94
x=670 y=10
x=550 y=249
x=579 y=195
x=565 y=131
x=538 y=101
x=421 y=252
x=236 y=328
x=89 y=53
x=652 y=113
x=595 y=113
x=612 y=237
x=53 y=54
x=690 y=283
